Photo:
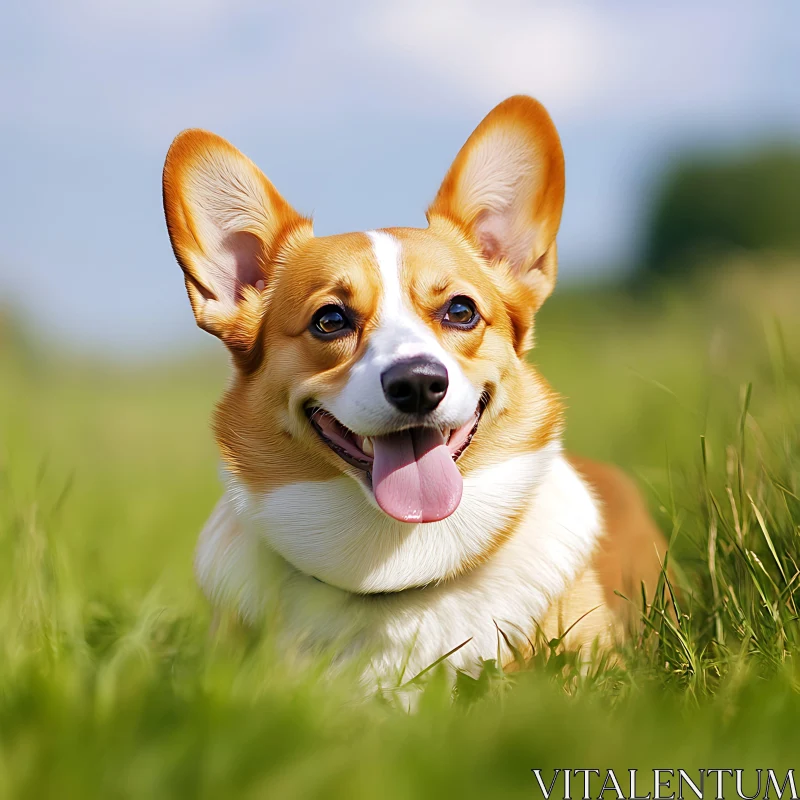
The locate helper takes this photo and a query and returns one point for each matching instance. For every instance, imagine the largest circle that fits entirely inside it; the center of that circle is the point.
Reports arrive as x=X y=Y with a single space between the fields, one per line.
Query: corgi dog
x=394 y=480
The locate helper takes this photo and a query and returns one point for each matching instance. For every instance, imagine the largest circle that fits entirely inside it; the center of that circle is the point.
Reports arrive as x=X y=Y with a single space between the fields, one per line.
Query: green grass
x=110 y=687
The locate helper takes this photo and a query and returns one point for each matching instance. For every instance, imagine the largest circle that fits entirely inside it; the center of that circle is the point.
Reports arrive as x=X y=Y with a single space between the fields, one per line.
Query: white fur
x=232 y=567
x=401 y=334
x=387 y=253
x=334 y=531
x=409 y=630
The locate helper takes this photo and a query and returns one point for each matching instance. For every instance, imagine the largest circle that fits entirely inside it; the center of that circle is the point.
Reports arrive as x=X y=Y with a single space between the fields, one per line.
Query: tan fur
x=581 y=617
x=633 y=548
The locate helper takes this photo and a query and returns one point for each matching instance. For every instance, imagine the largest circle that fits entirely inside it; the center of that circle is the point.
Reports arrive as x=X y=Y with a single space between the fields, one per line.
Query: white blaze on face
x=400 y=335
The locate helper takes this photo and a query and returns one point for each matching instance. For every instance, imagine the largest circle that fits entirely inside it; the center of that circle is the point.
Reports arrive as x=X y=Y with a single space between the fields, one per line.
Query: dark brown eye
x=461 y=313
x=328 y=321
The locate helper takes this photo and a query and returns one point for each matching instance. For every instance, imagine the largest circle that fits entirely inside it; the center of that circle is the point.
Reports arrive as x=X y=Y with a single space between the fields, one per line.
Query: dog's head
x=391 y=360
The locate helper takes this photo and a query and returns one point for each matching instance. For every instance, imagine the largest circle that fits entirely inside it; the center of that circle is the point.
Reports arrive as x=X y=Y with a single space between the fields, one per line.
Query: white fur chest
x=334 y=530
x=411 y=629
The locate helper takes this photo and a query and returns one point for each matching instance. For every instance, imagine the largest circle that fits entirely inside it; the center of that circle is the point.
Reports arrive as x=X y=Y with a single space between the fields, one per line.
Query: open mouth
x=412 y=472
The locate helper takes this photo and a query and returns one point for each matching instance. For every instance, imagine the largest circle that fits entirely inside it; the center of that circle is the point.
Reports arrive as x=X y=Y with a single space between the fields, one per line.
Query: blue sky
x=354 y=110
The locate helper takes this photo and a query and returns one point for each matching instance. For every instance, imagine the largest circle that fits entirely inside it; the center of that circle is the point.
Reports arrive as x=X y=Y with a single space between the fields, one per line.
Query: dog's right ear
x=226 y=222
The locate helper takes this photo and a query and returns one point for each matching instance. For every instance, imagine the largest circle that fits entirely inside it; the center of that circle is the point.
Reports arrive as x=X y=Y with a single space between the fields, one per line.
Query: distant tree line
x=708 y=206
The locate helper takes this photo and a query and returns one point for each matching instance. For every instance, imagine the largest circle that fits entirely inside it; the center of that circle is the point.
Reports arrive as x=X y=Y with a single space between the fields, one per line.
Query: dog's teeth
x=366 y=447
x=446 y=433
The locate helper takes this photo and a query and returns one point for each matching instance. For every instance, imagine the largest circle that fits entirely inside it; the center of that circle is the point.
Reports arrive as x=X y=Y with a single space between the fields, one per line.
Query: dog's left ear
x=505 y=189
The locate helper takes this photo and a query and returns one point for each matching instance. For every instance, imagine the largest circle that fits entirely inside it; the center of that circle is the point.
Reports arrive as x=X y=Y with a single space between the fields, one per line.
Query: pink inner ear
x=498 y=238
x=489 y=245
x=246 y=249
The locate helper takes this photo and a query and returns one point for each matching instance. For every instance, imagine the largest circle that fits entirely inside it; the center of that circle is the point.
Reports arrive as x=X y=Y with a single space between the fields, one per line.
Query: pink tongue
x=414 y=476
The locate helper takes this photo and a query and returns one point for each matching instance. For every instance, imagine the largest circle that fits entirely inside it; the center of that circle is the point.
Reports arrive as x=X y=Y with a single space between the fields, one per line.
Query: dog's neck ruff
x=548 y=547
x=334 y=530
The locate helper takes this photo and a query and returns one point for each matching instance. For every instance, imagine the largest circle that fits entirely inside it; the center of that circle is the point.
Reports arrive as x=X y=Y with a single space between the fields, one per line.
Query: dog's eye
x=329 y=320
x=461 y=313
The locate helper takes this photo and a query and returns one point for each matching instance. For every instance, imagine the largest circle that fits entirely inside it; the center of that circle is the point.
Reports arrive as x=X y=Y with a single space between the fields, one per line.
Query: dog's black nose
x=415 y=386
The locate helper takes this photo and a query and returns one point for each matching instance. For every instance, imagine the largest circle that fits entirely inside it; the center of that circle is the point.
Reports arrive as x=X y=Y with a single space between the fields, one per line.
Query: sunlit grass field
x=111 y=688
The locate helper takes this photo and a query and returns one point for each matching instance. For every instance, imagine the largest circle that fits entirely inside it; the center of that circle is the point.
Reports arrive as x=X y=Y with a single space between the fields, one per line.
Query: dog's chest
x=334 y=531
x=403 y=632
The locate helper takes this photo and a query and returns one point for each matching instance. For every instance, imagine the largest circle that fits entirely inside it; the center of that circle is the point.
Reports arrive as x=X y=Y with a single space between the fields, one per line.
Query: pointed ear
x=505 y=189
x=225 y=222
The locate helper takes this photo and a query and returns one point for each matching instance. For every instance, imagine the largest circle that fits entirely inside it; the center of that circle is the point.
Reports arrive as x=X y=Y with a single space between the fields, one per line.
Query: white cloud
x=483 y=51
x=624 y=60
